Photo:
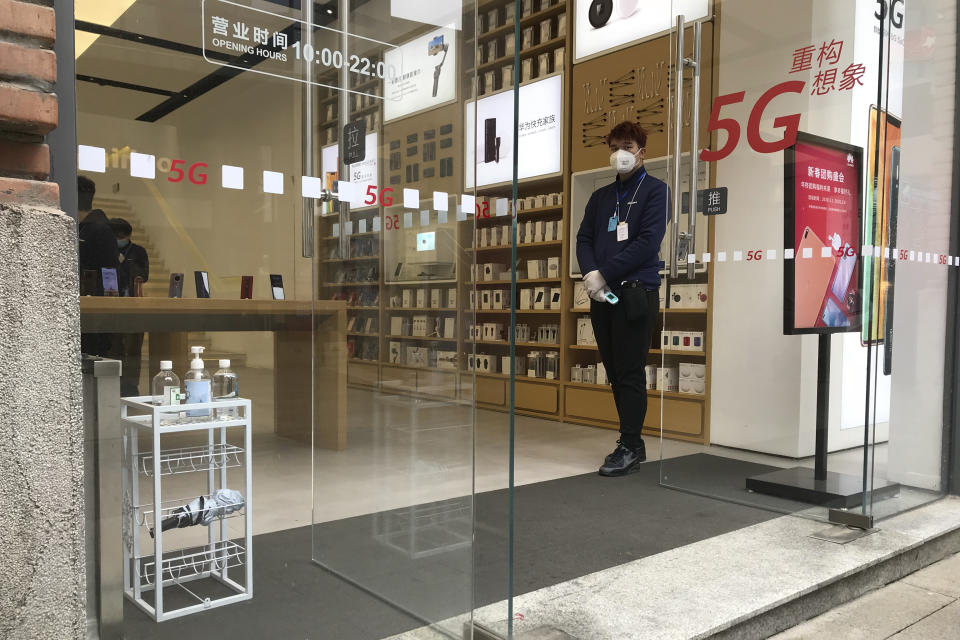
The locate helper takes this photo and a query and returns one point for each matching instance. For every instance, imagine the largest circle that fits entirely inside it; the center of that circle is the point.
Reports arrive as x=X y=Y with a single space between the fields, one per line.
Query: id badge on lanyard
x=621 y=232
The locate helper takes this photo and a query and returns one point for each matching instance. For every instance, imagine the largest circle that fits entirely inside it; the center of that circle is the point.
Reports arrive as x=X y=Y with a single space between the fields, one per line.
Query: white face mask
x=623 y=161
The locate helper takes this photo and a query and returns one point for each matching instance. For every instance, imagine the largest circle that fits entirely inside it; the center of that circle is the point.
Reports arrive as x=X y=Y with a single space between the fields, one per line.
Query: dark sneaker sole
x=622 y=472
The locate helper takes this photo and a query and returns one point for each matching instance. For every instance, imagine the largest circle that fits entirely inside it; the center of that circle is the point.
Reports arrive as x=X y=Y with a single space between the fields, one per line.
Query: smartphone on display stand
x=203 y=284
x=110 y=284
x=276 y=286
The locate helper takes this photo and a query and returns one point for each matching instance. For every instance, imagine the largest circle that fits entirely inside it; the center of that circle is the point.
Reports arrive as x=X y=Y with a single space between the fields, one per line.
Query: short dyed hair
x=629 y=131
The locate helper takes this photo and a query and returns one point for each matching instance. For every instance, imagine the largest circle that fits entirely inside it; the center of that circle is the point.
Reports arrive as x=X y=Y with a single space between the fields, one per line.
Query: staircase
x=159 y=283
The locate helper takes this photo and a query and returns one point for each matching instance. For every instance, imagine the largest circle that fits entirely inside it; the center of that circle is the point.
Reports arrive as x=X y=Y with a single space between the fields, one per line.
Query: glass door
x=787 y=284
x=766 y=292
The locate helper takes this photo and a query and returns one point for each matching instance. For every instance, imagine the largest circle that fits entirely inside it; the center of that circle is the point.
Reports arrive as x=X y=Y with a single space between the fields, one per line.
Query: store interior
x=449 y=483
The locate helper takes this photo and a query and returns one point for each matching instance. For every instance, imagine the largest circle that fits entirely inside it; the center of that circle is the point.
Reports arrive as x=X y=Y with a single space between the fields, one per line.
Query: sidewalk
x=923 y=606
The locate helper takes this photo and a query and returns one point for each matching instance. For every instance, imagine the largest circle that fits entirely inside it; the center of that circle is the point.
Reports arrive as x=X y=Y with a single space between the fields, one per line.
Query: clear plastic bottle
x=226 y=387
x=166 y=390
x=197 y=384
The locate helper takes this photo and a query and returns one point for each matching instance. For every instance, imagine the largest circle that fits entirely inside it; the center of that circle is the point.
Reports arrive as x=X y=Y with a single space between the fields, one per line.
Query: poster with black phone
x=276 y=286
x=891 y=264
x=176 y=285
x=203 y=284
x=246 y=287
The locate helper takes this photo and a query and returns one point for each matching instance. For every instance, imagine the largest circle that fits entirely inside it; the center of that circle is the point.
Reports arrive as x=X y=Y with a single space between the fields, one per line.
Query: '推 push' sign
x=272 y=44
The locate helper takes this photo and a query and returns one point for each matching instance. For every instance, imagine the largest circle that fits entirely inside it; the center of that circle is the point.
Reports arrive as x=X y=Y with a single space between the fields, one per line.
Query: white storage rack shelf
x=226 y=560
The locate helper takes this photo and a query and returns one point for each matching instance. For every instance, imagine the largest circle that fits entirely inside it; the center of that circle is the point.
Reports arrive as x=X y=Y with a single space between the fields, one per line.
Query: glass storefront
x=388 y=218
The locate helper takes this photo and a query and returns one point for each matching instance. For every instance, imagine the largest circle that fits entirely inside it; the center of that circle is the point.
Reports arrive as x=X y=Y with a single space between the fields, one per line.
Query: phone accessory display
x=176 y=285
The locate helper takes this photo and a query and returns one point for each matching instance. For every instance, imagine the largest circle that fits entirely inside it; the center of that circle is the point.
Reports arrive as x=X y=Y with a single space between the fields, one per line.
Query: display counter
x=167 y=321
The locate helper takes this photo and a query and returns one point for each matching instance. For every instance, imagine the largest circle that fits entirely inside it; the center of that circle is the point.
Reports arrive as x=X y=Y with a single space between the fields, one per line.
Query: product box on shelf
x=539 y=297
x=417 y=356
x=688 y=296
x=421 y=299
x=420 y=326
x=408 y=298
x=697 y=387
x=435 y=298
x=485 y=300
x=449 y=325
x=576 y=373
x=526 y=298
x=589 y=374
x=651 y=371
x=452 y=298
x=667 y=379
x=692 y=371
x=396 y=325
x=601 y=374
x=553 y=267
x=395 y=352
x=580 y=298
x=585 y=332
x=554 y=298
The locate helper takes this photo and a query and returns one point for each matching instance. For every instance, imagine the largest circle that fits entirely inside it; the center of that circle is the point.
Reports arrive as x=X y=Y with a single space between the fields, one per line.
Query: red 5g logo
x=789 y=123
x=193 y=173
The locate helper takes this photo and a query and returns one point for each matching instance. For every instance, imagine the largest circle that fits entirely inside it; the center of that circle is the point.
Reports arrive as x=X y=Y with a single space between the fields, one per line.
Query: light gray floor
x=923 y=606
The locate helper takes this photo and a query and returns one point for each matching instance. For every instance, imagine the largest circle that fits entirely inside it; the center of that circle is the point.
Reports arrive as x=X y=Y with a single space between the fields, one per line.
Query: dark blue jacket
x=637 y=257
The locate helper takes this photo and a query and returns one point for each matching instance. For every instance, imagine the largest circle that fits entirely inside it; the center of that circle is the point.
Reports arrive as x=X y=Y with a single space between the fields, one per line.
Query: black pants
x=624 y=332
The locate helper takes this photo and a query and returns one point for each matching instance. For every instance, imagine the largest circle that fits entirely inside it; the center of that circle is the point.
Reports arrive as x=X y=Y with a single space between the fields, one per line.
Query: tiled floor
x=923 y=606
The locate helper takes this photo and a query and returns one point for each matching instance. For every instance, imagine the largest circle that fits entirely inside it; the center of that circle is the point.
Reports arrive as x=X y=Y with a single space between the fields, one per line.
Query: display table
x=167 y=321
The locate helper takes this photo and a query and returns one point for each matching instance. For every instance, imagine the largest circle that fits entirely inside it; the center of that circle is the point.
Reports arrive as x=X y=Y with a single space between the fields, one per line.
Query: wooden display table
x=167 y=321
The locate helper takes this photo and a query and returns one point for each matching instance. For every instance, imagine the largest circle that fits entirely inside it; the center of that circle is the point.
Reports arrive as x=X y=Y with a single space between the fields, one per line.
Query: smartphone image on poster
x=110 y=285
x=276 y=286
x=203 y=284
x=812 y=279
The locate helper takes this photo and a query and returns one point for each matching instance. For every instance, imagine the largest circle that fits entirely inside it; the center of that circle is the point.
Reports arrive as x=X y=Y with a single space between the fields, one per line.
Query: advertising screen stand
x=839 y=491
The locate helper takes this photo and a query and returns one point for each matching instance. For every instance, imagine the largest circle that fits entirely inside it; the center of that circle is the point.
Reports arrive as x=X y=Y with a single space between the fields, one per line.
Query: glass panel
x=302 y=166
x=908 y=215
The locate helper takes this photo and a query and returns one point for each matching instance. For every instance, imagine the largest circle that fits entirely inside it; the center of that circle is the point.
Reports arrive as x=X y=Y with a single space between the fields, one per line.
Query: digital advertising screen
x=423 y=74
x=604 y=25
x=879 y=222
x=540 y=133
x=822 y=222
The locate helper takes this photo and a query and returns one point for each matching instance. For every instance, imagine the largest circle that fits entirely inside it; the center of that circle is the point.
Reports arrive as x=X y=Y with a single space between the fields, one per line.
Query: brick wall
x=42 y=556
x=28 y=107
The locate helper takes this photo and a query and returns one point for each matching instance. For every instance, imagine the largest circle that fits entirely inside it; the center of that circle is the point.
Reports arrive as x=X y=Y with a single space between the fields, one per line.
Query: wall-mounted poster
x=540 y=132
x=423 y=74
x=365 y=172
x=822 y=214
x=604 y=25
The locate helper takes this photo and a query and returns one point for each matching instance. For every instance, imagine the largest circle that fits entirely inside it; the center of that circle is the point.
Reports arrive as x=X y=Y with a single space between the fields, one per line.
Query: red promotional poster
x=822 y=215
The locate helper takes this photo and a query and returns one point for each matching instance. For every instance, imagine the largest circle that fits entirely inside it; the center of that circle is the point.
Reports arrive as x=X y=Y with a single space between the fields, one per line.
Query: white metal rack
x=223 y=559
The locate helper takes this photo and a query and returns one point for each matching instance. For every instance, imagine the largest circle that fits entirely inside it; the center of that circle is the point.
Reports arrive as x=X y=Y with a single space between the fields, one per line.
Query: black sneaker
x=623 y=460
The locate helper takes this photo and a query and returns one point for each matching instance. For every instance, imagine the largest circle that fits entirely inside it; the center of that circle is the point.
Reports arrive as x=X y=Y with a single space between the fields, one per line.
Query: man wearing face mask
x=133 y=258
x=618 y=247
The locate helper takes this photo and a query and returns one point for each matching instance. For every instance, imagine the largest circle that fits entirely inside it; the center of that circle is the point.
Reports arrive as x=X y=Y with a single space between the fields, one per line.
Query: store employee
x=618 y=247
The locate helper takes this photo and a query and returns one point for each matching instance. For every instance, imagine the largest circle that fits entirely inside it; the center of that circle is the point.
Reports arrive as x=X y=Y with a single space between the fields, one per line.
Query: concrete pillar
x=42 y=589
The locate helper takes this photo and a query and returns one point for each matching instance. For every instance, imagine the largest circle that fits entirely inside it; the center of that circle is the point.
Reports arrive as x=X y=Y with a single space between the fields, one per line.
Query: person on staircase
x=134 y=265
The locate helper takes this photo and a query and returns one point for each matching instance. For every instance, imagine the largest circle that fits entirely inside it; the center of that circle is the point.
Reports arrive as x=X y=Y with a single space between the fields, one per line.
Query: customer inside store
x=618 y=247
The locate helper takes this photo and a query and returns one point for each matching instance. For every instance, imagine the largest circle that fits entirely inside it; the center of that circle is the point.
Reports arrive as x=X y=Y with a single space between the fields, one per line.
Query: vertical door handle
x=694 y=63
x=677 y=139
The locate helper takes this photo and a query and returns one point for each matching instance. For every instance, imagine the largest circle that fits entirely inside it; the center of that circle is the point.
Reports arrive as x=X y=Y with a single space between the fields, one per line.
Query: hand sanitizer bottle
x=225 y=387
x=166 y=390
x=197 y=384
